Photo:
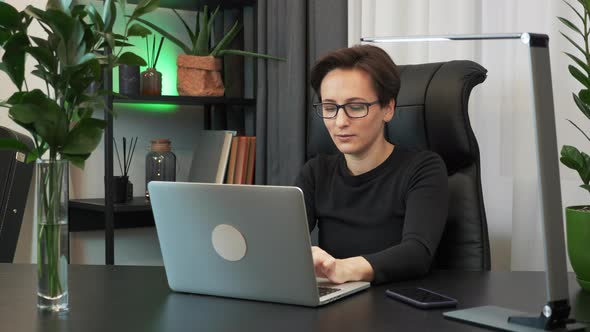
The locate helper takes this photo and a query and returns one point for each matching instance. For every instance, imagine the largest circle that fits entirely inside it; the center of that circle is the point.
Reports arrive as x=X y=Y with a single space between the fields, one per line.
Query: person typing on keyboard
x=381 y=209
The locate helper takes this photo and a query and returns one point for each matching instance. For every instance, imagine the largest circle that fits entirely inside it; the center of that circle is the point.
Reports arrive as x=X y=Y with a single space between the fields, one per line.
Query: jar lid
x=161 y=141
x=161 y=145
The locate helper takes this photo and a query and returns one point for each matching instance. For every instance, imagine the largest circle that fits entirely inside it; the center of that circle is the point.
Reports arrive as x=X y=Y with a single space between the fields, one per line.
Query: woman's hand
x=340 y=270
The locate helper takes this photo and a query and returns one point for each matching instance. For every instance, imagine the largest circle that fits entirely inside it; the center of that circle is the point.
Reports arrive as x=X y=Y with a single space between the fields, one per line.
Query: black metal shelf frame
x=207 y=102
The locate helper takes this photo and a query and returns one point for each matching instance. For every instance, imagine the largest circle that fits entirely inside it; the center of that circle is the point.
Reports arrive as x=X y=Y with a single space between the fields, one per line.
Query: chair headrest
x=431 y=113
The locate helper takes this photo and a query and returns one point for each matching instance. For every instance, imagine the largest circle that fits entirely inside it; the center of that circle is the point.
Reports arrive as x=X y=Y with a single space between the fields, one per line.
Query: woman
x=381 y=209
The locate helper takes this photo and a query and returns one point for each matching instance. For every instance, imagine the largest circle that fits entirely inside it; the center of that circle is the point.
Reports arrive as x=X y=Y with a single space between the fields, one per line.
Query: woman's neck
x=375 y=156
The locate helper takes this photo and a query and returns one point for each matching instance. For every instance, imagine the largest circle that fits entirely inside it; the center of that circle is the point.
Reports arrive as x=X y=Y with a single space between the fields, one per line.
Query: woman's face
x=354 y=136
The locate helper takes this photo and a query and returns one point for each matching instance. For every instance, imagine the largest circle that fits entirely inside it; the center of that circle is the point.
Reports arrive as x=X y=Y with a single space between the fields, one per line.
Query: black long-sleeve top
x=393 y=215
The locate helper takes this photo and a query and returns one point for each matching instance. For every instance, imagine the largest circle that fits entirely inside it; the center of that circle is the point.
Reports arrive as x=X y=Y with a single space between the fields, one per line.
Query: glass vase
x=151 y=82
x=160 y=163
x=51 y=213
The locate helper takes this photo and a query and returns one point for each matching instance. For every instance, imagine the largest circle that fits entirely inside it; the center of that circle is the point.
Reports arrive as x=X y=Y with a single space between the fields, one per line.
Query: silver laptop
x=248 y=242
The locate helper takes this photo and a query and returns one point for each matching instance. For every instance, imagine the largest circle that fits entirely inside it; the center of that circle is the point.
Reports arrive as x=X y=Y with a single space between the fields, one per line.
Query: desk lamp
x=554 y=314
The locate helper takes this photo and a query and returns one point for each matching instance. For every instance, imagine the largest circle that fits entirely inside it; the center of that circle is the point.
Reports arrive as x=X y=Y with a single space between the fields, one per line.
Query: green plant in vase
x=199 y=68
x=59 y=118
x=578 y=217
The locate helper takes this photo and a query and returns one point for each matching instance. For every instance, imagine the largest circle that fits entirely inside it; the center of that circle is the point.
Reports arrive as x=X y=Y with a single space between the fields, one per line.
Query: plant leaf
x=252 y=54
x=585 y=186
x=138 y=30
x=76 y=160
x=572 y=158
x=95 y=17
x=586 y=170
x=188 y=30
x=52 y=124
x=14 y=58
x=582 y=106
x=109 y=15
x=212 y=19
x=202 y=45
x=13 y=144
x=579 y=129
x=227 y=39
x=167 y=35
x=44 y=56
x=580 y=63
x=84 y=137
x=9 y=16
x=570 y=25
x=129 y=58
x=573 y=43
x=577 y=74
x=4 y=35
x=25 y=113
x=575 y=10
x=144 y=7
x=60 y=22
x=60 y=5
x=584 y=96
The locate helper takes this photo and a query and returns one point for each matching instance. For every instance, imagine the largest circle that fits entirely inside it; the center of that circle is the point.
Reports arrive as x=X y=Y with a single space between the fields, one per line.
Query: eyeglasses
x=352 y=110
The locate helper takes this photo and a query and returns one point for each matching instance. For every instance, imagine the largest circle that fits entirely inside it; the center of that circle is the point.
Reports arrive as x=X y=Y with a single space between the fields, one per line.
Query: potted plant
x=578 y=217
x=59 y=118
x=199 y=68
x=129 y=79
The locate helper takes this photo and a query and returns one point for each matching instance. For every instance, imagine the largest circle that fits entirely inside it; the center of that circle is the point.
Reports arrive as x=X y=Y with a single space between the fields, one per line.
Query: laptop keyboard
x=327 y=290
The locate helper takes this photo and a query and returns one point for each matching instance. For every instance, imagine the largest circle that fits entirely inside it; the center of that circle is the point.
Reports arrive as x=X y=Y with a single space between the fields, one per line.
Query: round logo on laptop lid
x=228 y=242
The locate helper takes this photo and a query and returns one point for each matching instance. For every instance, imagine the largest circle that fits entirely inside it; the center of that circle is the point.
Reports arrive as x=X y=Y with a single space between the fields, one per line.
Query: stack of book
x=242 y=160
x=221 y=157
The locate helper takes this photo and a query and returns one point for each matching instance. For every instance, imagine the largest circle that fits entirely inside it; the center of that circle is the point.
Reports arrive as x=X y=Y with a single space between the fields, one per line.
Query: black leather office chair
x=431 y=113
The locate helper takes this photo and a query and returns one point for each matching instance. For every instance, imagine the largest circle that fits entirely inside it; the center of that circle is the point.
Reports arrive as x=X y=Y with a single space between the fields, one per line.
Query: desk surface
x=137 y=298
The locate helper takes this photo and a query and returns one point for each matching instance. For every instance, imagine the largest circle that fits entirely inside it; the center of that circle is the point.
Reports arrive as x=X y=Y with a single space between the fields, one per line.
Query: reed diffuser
x=151 y=79
x=122 y=187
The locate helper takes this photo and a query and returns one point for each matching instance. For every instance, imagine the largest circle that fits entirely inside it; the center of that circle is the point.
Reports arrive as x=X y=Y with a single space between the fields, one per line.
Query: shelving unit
x=184 y=100
x=98 y=213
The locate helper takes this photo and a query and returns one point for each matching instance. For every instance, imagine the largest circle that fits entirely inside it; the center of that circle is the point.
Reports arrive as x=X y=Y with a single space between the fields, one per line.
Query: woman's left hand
x=340 y=270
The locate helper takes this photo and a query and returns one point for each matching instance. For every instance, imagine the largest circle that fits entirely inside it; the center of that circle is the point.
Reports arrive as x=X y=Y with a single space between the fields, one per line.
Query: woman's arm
x=341 y=270
x=427 y=200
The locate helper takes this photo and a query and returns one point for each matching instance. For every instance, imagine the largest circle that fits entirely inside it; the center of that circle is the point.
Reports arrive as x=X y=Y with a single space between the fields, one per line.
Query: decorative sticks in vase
x=151 y=79
x=122 y=187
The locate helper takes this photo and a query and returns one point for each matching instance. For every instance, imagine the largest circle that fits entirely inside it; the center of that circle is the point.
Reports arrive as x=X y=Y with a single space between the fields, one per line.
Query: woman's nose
x=342 y=119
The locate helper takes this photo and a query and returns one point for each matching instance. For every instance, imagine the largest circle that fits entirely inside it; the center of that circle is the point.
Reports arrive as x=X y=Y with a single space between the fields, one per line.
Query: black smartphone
x=421 y=298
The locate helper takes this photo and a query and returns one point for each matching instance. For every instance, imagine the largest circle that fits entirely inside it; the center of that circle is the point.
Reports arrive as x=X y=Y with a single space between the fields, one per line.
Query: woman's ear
x=389 y=110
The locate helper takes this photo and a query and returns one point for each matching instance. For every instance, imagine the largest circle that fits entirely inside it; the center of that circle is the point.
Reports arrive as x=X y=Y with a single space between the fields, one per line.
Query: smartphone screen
x=421 y=297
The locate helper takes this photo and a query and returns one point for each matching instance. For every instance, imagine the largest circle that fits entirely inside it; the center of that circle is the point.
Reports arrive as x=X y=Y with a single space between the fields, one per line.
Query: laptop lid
x=241 y=241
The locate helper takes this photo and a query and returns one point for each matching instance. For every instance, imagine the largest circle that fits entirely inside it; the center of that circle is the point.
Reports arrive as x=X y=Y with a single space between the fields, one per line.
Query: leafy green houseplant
x=578 y=217
x=59 y=119
x=199 y=67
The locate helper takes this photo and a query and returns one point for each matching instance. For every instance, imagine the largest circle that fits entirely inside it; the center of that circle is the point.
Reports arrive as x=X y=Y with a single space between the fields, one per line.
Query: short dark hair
x=371 y=59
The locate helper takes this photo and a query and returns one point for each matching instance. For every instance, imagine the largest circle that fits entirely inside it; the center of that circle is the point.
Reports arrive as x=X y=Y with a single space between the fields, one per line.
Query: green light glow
x=149 y=107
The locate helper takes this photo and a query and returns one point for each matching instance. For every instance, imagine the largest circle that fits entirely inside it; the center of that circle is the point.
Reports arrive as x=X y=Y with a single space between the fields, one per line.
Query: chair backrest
x=15 y=180
x=431 y=113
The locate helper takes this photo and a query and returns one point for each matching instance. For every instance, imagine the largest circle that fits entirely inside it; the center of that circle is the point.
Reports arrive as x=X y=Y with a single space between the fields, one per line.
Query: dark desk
x=126 y=298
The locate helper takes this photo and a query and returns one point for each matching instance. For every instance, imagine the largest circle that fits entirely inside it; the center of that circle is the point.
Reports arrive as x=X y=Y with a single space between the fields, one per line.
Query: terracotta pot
x=199 y=76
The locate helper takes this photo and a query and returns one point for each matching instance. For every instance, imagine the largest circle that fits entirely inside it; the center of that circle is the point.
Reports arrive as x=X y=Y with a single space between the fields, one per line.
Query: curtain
x=500 y=108
x=299 y=31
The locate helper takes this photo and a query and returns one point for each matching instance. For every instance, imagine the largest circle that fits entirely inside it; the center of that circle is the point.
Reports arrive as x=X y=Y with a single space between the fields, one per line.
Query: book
x=231 y=169
x=210 y=156
x=251 y=160
x=241 y=160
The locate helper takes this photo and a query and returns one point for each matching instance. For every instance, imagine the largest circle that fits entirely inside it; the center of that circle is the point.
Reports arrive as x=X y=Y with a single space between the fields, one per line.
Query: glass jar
x=151 y=82
x=160 y=163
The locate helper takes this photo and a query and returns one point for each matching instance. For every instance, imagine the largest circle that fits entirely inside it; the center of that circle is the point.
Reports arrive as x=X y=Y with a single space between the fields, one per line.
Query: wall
x=134 y=246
